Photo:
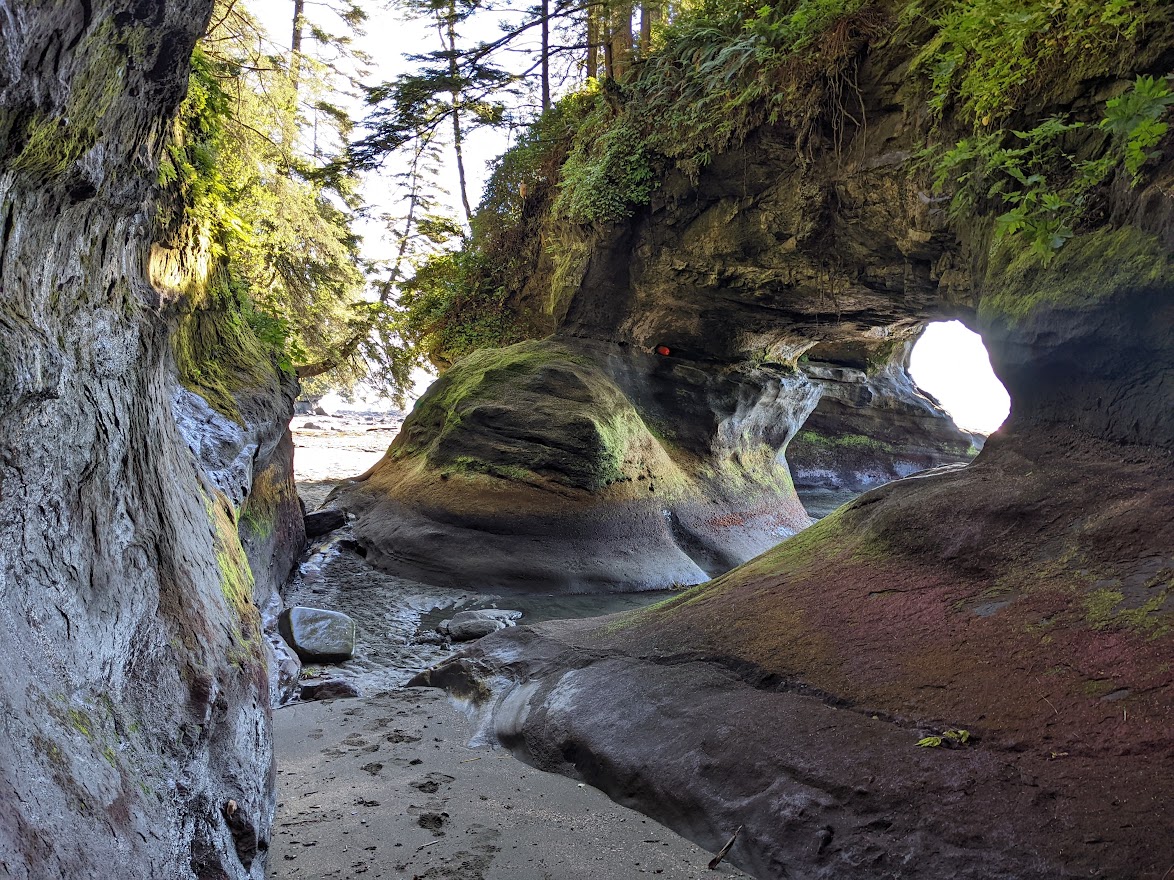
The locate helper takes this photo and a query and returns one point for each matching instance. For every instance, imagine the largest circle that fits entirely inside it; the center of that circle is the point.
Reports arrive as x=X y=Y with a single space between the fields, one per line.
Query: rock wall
x=135 y=706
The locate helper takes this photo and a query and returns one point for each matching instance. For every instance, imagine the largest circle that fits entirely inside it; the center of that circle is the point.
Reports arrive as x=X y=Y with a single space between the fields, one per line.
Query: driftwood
x=717 y=860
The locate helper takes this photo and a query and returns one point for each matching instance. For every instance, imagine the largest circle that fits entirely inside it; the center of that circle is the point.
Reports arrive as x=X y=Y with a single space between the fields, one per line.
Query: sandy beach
x=387 y=786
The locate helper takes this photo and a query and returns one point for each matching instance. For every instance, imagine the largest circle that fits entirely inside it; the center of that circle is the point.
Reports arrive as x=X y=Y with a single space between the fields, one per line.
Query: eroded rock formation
x=870 y=428
x=771 y=261
x=572 y=464
x=136 y=721
x=1026 y=599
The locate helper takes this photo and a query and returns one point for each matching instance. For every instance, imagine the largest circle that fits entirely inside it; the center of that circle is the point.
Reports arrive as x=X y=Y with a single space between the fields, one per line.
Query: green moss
x=1098 y=687
x=236 y=577
x=843 y=441
x=1102 y=611
x=1090 y=269
x=217 y=354
x=53 y=144
x=81 y=722
x=568 y=423
x=464 y=464
x=619 y=431
x=269 y=491
x=478 y=375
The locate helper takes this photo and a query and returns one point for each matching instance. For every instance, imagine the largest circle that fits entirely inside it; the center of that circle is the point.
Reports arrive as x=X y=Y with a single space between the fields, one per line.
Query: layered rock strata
x=867 y=430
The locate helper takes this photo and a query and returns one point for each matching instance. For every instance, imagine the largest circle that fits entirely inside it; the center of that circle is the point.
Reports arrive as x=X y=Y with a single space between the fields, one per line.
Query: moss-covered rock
x=545 y=463
x=534 y=412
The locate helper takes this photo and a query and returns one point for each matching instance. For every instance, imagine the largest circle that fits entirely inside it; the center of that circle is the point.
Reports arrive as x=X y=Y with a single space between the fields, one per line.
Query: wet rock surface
x=389 y=646
x=327 y=689
x=323 y=522
x=575 y=466
x=467 y=625
x=1025 y=598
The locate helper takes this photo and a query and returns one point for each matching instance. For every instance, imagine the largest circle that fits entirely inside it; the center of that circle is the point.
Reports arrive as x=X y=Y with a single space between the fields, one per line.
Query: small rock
x=323 y=522
x=473 y=629
x=331 y=689
x=311 y=426
x=316 y=634
x=467 y=625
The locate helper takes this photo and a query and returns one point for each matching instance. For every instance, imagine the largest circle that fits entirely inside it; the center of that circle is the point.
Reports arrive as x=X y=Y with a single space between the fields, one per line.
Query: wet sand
x=387 y=786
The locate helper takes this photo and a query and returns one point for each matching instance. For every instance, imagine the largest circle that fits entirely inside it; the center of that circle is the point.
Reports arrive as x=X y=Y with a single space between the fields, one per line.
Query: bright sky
x=388 y=37
x=951 y=363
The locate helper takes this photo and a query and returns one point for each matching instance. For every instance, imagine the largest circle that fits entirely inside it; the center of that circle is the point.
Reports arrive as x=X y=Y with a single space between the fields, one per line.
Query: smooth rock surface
x=318 y=635
x=466 y=625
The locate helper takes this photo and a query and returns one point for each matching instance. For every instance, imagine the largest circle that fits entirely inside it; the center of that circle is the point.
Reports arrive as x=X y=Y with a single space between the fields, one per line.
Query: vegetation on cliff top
x=720 y=69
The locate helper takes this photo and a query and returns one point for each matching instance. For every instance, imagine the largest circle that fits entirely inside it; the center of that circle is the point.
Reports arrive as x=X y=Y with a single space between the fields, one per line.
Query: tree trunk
x=134 y=695
x=545 y=55
x=593 y=41
x=621 y=37
x=649 y=16
x=295 y=46
x=352 y=345
x=605 y=27
x=448 y=36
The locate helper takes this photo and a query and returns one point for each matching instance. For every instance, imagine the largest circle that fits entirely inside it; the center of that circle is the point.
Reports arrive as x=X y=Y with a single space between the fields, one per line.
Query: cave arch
x=873 y=424
x=951 y=364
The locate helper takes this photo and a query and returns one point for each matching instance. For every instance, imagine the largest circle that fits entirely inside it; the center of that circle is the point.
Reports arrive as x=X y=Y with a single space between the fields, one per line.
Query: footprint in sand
x=431 y=783
x=433 y=822
x=398 y=736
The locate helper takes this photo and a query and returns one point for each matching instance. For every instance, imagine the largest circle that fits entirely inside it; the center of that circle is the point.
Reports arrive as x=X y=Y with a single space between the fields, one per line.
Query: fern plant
x=1134 y=118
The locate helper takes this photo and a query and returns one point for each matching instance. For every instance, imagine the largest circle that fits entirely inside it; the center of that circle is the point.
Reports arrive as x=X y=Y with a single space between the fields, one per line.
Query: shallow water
x=820 y=502
x=396 y=618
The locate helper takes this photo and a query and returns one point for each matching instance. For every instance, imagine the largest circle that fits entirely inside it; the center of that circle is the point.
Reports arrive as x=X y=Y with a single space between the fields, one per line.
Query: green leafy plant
x=1044 y=187
x=1134 y=118
x=986 y=55
x=952 y=738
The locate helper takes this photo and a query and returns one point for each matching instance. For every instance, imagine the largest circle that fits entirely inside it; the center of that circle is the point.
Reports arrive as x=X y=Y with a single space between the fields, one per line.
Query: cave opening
x=950 y=362
x=932 y=403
